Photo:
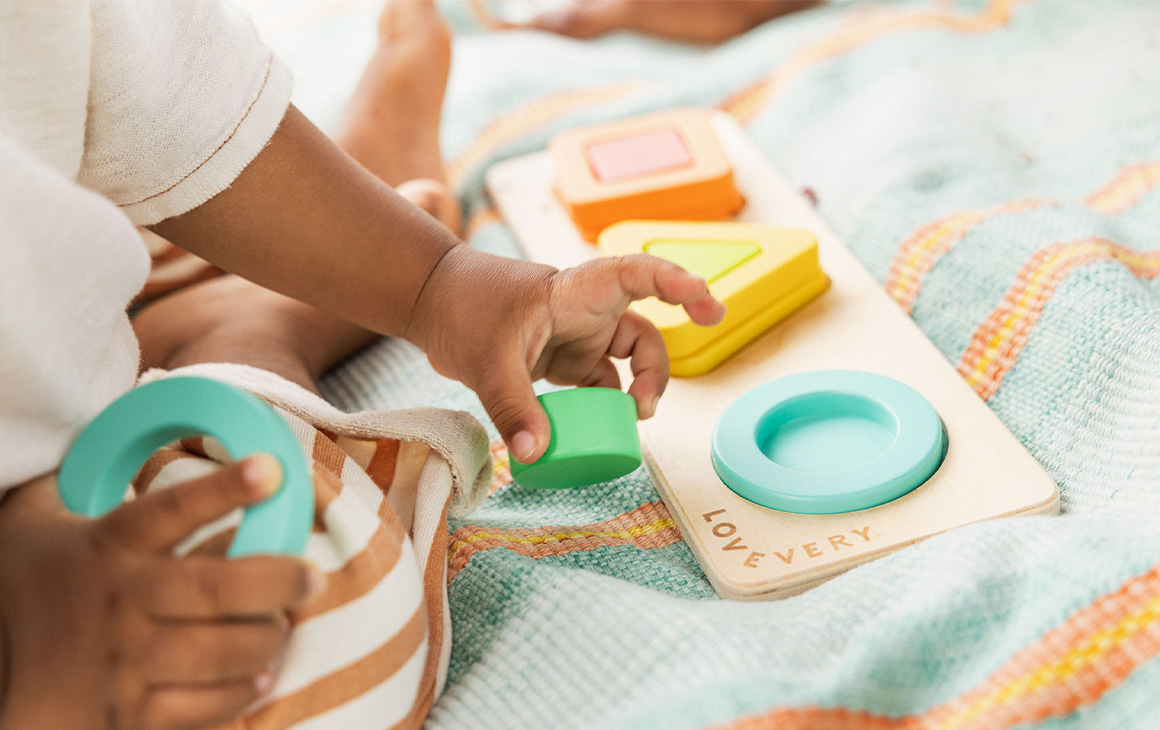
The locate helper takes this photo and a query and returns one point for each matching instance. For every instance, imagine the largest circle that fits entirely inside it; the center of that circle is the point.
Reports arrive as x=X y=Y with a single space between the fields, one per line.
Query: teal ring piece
x=111 y=450
x=827 y=442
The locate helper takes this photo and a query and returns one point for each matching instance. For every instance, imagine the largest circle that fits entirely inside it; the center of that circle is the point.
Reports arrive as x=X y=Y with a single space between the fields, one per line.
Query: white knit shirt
x=113 y=113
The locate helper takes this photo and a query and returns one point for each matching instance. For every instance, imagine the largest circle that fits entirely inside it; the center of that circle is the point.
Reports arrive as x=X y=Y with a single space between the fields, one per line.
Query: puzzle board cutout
x=748 y=551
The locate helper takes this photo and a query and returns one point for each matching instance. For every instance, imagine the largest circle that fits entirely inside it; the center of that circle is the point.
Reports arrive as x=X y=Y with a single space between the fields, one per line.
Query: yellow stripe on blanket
x=1125 y=189
x=1069 y=667
x=647 y=527
x=920 y=251
x=997 y=342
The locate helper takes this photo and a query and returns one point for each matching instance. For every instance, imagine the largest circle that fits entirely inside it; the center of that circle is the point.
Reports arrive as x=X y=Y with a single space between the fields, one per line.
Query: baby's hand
x=497 y=324
x=104 y=628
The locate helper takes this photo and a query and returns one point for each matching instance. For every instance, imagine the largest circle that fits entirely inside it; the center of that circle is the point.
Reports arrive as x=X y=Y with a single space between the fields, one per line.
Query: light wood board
x=749 y=551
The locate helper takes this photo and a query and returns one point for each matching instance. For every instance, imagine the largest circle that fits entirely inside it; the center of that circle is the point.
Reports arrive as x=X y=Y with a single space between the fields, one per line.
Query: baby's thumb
x=511 y=403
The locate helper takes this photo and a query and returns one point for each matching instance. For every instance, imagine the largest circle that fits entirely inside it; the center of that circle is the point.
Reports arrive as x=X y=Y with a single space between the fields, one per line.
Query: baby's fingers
x=637 y=339
x=208 y=653
x=213 y=588
x=185 y=707
x=642 y=276
x=162 y=519
x=507 y=396
x=602 y=375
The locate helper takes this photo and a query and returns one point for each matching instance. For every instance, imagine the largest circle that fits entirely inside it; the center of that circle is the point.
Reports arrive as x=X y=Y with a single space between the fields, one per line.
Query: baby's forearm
x=306 y=220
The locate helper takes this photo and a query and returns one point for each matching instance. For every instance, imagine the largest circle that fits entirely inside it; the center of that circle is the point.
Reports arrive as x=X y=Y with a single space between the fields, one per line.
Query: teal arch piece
x=111 y=450
x=827 y=442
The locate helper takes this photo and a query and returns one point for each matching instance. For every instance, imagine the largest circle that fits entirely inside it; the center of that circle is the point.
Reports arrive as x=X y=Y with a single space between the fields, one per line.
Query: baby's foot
x=434 y=198
x=392 y=123
x=699 y=21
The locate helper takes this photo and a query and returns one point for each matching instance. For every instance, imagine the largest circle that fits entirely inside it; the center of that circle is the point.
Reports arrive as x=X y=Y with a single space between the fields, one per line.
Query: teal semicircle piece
x=111 y=450
x=708 y=259
x=827 y=442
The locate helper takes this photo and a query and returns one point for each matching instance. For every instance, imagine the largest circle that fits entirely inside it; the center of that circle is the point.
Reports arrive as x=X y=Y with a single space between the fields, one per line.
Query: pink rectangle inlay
x=638 y=156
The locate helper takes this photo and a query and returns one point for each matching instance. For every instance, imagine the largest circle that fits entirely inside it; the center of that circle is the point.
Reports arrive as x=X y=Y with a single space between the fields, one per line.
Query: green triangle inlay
x=708 y=259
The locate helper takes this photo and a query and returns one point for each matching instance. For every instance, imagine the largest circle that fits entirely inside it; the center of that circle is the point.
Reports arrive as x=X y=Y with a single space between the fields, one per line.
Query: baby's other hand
x=497 y=324
x=104 y=628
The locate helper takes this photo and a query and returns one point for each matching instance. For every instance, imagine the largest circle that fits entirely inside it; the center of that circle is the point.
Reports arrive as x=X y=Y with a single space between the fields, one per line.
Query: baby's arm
x=305 y=220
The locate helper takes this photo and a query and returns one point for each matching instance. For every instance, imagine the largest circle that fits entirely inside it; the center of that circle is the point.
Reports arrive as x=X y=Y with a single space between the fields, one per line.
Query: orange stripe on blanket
x=746 y=104
x=918 y=254
x=347 y=683
x=523 y=120
x=328 y=456
x=360 y=574
x=920 y=251
x=1125 y=189
x=194 y=445
x=156 y=463
x=327 y=487
x=402 y=494
x=1069 y=667
x=646 y=527
x=997 y=343
x=381 y=468
x=434 y=590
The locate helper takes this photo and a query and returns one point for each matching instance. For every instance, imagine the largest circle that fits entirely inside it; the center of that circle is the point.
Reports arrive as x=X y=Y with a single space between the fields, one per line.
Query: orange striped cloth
x=372 y=651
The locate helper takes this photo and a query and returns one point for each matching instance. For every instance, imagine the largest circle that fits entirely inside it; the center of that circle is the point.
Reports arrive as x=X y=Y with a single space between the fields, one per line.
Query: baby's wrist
x=464 y=292
x=433 y=295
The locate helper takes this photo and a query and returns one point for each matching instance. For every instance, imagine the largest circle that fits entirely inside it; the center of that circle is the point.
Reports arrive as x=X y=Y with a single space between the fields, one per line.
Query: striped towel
x=372 y=651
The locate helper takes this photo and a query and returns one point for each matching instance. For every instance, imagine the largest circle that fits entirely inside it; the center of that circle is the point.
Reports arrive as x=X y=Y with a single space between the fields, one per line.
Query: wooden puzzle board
x=749 y=551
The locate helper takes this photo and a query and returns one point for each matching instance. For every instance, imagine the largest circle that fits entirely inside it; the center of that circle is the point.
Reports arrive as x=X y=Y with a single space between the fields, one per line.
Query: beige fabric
x=153 y=106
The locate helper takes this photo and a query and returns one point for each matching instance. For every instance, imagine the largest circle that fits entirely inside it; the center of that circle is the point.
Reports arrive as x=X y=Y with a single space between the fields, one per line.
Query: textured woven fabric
x=997 y=166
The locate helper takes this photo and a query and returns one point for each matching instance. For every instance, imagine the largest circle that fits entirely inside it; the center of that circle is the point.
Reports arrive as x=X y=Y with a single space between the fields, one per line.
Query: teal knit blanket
x=996 y=164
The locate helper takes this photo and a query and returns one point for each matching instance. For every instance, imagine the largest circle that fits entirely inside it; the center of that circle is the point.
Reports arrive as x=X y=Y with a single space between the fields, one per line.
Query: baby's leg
x=391 y=125
x=228 y=319
x=392 y=128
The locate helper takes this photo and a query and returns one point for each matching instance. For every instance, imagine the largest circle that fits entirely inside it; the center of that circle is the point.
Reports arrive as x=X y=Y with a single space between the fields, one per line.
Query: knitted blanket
x=996 y=164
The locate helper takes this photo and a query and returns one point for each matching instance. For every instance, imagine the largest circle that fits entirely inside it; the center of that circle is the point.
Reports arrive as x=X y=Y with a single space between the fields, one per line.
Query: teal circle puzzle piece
x=827 y=442
x=111 y=450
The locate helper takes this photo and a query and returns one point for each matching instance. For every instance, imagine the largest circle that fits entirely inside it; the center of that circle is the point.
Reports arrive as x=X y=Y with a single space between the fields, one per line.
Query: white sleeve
x=69 y=263
x=183 y=95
